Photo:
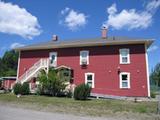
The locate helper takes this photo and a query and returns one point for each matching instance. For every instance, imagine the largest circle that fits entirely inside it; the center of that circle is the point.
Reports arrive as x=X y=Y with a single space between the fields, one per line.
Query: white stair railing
x=42 y=63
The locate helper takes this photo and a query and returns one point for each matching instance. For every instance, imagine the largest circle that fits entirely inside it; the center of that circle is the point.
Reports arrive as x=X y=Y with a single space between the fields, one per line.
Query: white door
x=53 y=59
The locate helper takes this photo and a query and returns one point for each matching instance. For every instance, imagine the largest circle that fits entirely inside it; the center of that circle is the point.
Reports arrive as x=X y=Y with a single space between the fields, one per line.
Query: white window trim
x=53 y=53
x=128 y=56
x=120 y=77
x=93 y=76
x=80 y=61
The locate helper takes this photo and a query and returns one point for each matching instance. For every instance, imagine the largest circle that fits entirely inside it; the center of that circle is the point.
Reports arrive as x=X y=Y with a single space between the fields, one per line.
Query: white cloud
x=131 y=19
x=16 y=20
x=73 y=19
x=14 y=45
x=65 y=10
x=153 y=48
x=153 y=5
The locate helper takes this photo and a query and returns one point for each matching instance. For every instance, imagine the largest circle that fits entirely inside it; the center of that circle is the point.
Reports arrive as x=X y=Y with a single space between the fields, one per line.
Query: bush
x=25 y=88
x=22 y=89
x=17 y=88
x=69 y=94
x=153 y=95
x=51 y=84
x=82 y=91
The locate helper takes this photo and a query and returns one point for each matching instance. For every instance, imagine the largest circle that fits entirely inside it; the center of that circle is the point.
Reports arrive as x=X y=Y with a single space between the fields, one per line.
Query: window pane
x=52 y=58
x=89 y=77
x=124 y=77
x=124 y=52
x=90 y=84
x=124 y=84
x=84 y=54
x=124 y=59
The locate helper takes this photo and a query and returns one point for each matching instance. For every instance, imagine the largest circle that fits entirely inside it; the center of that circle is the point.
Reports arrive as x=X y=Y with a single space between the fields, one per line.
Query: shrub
x=69 y=94
x=21 y=88
x=38 y=90
x=17 y=88
x=25 y=88
x=82 y=91
x=153 y=94
x=51 y=84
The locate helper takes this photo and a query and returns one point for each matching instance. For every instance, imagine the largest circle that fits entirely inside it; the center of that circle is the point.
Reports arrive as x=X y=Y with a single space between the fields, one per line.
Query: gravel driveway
x=10 y=113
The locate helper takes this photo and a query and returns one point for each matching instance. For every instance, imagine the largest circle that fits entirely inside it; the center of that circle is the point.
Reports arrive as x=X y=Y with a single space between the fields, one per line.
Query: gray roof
x=6 y=78
x=86 y=42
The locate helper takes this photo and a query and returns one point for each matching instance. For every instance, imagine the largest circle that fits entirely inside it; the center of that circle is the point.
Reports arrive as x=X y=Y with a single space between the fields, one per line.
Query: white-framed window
x=89 y=79
x=53 y=59
x=124 y=80
x=124 y=56
x=84 y=57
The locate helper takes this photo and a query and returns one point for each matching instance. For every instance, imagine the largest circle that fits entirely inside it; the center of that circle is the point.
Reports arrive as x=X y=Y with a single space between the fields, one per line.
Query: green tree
x=155 y=75
x=8 y=63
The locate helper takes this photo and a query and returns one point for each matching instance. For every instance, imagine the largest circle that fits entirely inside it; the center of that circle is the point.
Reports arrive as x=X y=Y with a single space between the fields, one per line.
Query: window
x=84 y=57
x=53 y=59
x=124 y=56
x=89 y=79
x=124 y=80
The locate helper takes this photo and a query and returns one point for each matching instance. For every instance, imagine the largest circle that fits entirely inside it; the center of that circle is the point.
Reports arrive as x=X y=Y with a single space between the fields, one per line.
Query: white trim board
x=147 y=71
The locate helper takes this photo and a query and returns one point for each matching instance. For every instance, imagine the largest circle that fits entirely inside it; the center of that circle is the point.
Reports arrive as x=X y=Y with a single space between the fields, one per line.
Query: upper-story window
x=84 y=57
x=124 y=56
x=53 y=59
x=89 y=79
x=124 y=80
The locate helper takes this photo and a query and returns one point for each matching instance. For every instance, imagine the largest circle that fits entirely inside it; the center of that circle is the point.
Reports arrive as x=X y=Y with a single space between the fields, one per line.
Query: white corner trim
x=93 y=76
x=80 y=61
x=18 y=65
x=120 y=80
x=147 y=71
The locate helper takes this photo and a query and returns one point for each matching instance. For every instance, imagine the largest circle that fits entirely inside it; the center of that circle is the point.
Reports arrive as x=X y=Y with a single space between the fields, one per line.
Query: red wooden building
x=8 y=82
x=110 y=65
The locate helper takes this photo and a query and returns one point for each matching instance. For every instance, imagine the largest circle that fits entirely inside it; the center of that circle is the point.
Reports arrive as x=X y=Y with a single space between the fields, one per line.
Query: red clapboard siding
x=103 y=61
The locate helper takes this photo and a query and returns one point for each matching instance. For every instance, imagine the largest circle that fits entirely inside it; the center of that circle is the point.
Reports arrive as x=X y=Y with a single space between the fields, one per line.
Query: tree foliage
x=50 y=83
x=8 y=63
x=155 y=75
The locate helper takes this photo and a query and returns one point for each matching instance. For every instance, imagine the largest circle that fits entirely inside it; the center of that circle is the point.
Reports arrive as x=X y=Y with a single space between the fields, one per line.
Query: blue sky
x=24 y=22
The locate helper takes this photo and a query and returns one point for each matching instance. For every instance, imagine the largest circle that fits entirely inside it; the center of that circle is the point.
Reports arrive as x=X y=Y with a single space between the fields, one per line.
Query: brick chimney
x=54 y=38
x=104 y=32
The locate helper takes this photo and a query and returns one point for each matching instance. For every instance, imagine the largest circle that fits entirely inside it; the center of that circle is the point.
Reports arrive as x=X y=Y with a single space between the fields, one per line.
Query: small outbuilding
x=7 y=83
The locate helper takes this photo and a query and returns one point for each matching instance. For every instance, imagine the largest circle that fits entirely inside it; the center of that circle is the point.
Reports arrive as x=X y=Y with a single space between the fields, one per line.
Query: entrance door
x=53 y=59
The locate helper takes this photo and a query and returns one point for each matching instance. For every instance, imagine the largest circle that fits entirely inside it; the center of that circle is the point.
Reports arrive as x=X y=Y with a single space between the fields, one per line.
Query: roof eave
x=147 y=42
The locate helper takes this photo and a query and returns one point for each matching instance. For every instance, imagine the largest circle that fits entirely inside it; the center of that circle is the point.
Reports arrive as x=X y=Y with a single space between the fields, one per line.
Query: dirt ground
x=12 y=112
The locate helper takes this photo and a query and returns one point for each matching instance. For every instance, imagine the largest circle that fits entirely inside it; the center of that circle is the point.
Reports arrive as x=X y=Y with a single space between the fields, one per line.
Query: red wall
x=102 y=59
x=7 y=83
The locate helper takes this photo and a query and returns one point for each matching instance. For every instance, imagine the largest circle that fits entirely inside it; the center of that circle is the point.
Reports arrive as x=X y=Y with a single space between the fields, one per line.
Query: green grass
x=68 y=105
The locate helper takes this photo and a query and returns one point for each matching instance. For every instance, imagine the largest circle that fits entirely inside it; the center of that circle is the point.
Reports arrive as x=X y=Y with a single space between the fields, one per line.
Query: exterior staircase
x=42 y=64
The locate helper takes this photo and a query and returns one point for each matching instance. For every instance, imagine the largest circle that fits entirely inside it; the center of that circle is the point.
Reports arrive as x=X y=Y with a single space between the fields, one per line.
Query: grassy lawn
x=90 y=107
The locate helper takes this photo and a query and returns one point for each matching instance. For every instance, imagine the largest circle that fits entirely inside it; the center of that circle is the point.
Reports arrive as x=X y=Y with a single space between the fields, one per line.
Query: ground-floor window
x=89 y=79
x=124 y=80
